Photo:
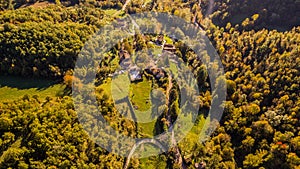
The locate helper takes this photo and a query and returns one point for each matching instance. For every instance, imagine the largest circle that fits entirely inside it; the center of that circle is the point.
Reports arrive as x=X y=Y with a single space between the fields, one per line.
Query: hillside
x=40 y=126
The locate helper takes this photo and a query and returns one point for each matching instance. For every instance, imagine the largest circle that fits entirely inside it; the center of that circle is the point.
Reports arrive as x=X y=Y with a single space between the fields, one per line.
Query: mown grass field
x=12 y=88
x=139 y=96
x=138 y=93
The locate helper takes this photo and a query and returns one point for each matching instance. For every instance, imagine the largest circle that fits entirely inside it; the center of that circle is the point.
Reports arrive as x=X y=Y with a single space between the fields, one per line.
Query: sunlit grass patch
x=12 y=88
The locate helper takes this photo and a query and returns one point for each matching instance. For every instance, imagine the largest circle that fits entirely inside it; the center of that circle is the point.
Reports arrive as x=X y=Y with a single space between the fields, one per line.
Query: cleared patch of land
x=12 y=88
x=139 y=96
x=110 y=12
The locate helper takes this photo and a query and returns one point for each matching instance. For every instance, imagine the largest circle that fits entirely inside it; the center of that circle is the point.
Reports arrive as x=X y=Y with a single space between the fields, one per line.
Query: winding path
x=148 y=140
x=179 y=158
x=123 y=8
x=153 y=141
x=125 y=5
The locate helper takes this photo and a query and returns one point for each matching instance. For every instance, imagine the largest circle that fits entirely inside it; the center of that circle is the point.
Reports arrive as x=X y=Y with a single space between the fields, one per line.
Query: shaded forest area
x=272 y=14
x=260 y=125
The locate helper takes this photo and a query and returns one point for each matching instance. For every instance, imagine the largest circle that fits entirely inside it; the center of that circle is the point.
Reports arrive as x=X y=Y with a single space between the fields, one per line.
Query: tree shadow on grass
x=25 y=83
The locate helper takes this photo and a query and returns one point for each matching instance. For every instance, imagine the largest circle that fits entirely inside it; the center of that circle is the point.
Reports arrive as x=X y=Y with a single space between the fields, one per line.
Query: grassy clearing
x=12 y=88
x=153 y=162
x=120 y=86
x=195 y=135
x=139 y=96
x=174 y=69
x=146 y=130
x=110 y=12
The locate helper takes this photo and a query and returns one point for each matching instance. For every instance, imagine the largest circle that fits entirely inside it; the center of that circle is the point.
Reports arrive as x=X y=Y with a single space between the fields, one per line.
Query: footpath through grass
x=12 y=88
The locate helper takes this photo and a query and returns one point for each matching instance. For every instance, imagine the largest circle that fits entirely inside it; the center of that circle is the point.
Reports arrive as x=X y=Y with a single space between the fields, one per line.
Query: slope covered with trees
x=271 y=14
x=260 y=124
x=44 y=42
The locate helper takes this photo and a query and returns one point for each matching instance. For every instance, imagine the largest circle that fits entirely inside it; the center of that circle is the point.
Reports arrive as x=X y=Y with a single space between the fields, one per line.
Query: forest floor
x=12 y=88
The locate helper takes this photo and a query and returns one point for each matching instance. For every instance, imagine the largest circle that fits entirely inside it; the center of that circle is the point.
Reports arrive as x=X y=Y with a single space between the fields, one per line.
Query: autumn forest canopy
x=259 y=47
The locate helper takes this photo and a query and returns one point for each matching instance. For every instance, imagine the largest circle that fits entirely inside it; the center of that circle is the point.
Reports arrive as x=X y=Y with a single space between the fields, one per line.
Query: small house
x=135 y=74
x=169 y=47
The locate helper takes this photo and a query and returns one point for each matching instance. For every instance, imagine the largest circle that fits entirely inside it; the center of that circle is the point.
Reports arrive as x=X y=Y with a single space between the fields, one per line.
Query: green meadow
x=12 y=88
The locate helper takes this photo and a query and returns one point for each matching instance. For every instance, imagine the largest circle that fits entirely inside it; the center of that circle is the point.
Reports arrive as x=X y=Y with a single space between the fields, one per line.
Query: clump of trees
x=260 y=124
x=41 y=49
x=55 y=14
x=260 y=114
x=45 y=133
x=44 y=42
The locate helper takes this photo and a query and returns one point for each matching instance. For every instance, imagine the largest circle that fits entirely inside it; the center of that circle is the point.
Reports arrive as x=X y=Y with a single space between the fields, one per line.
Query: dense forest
x=259 y=46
